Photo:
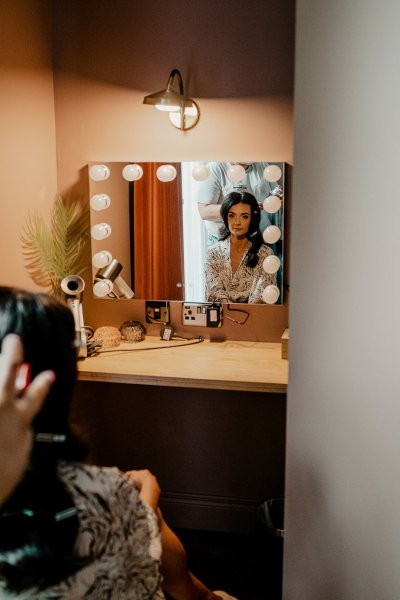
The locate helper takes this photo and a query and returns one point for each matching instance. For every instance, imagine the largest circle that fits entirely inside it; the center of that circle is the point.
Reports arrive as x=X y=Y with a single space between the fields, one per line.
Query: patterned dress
x=118 y=532
x=244 y=285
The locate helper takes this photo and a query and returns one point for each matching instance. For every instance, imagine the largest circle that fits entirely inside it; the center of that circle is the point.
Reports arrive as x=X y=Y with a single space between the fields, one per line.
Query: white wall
x=343 y=436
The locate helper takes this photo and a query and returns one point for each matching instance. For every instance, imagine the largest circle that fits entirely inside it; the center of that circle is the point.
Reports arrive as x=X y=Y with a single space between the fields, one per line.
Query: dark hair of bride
x=253 y=234
x=38 y=522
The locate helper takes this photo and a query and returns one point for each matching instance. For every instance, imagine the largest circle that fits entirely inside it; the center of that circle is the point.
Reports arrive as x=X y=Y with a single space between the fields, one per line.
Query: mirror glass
x=156 y=231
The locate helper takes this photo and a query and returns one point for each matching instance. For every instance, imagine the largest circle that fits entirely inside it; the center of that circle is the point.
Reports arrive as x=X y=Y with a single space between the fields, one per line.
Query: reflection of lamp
x=109 y=282
x=183 y=112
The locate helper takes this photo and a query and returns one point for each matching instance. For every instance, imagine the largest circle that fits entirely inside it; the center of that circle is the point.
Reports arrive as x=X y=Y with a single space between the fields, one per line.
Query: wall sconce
x=183 y=112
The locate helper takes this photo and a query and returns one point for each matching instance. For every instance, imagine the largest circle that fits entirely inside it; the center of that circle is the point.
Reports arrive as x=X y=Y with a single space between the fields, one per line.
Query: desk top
x=226 y=365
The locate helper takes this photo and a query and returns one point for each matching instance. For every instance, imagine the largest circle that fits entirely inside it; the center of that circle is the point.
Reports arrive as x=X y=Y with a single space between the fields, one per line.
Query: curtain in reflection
x=158 y=257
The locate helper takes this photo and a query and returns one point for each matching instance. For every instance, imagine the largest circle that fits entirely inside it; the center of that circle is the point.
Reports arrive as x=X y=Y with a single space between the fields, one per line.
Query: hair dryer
x=73 y=286
x=111 y=274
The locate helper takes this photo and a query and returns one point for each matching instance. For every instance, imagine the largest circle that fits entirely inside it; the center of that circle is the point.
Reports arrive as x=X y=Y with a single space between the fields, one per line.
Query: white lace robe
x=119 y=535
x=244 y=285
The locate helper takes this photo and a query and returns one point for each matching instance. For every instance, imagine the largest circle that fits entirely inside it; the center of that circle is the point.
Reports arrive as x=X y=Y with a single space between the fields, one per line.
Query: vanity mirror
x=151 y=225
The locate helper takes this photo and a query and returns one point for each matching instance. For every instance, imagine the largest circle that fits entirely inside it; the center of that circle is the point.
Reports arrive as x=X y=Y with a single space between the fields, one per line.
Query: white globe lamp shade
x=271 y=294
x=272 y=204
x=132 y=172
x=271 y=264
x=271 y=234
x=99 y=172
x=101 y=259
x=272 y=173
x=100 y=202
x=102 y=288
x=166 y=173
x=101 y=231
x=236 y=173
x=200 y=172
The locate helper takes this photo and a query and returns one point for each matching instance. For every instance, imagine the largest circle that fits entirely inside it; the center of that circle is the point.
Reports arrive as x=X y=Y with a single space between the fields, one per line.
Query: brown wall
x=27 y=146
x=189 y=429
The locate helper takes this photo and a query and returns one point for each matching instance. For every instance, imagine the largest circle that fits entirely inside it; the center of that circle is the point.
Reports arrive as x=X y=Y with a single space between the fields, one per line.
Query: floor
x=247 y=567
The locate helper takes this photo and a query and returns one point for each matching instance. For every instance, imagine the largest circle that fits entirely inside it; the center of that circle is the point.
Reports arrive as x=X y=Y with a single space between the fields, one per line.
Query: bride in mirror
x=234 y=265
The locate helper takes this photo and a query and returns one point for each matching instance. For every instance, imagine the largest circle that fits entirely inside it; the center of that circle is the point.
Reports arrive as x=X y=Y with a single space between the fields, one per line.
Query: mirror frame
x=115 y=186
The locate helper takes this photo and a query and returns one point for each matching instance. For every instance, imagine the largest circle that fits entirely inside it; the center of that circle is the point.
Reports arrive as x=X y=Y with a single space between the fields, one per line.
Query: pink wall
x=237 y=61
x=27 y=148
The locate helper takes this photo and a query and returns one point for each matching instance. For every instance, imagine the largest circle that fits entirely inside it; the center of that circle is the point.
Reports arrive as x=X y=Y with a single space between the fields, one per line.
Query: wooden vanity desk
x=208 y=419
x=226 y=365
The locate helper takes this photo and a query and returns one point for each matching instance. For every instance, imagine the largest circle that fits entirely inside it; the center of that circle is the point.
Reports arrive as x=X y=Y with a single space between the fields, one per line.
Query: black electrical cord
x=244 y=312
x=189 y=342
x=167 y=333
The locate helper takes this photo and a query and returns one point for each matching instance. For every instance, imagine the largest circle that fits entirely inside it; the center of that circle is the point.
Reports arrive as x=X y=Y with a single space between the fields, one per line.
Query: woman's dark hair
x=36 y=546
x=254 y=233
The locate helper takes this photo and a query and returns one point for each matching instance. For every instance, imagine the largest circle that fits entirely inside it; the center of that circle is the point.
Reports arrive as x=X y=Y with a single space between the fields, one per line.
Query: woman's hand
x=20 y=401
x=147 y=485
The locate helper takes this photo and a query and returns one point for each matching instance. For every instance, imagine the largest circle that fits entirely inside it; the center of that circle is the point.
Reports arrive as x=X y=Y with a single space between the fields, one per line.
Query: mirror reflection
x=193 y=231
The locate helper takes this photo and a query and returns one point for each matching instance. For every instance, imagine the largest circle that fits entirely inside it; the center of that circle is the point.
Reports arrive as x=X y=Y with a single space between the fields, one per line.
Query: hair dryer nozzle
x=72 y=285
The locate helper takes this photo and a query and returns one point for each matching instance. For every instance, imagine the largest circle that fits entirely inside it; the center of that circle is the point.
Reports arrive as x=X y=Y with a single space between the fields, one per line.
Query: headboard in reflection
x=156 y=221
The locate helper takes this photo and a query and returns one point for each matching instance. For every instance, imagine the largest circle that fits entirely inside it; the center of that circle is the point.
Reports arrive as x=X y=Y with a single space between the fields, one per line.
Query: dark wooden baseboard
x=208 y=512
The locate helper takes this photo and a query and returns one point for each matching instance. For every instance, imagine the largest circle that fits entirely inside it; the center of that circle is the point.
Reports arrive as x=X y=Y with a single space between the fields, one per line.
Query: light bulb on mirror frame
x=101 y=231
x=101 y=259
x=132 y=172
x=102 y=288
x=200 y=172
x=236 y=173
x=100 y=202
x=99 y=172
x=271 y=234
x=271 y=294
x=271 y=264
x=272 y=173
x=272 y=204
x=166 y=173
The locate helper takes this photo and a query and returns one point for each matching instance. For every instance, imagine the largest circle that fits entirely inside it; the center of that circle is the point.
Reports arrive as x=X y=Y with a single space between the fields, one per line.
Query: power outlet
x=157 y=311
x=204 y=314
